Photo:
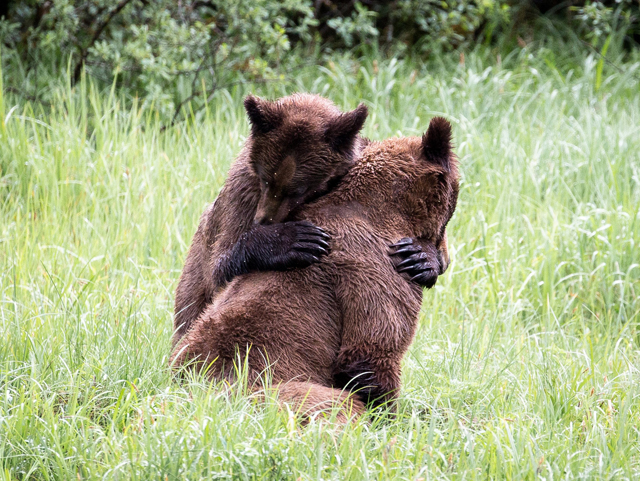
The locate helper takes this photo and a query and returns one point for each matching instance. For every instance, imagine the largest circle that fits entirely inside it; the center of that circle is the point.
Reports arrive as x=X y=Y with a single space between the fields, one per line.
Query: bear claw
x=422 y=267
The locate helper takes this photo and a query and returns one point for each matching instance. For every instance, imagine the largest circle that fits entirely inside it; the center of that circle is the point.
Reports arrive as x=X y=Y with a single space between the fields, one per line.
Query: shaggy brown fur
x=347 y=320
x=299 y=147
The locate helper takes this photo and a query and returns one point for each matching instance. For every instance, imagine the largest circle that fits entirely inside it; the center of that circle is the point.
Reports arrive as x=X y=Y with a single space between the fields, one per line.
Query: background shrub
x=177 y=54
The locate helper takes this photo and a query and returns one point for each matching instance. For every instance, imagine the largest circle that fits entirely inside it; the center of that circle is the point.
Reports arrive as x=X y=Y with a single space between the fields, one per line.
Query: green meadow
x=526 y=364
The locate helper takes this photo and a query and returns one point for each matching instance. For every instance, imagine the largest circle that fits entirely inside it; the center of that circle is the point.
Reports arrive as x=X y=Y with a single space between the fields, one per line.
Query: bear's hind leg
x=313 y=401
x=372 y=378
x=197 y=349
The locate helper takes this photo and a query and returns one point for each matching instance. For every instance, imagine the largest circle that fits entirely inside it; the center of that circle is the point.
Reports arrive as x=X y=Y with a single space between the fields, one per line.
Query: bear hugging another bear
x=311 y=261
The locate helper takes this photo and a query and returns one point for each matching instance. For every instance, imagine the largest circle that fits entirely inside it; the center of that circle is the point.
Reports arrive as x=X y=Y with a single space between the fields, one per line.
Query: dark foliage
x=173 y=54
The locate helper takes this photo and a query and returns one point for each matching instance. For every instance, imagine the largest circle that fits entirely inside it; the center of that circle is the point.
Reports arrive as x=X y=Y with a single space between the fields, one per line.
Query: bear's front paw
x=421 y=265
x=272 y=247
x=298 y=244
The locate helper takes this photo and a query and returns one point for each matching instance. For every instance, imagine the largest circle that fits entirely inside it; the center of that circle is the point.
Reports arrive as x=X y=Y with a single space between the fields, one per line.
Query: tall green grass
x=526 y=362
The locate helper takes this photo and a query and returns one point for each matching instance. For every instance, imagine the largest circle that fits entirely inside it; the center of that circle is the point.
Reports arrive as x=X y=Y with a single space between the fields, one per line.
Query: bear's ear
x=263 y=116
x=342 y=131
x=436 y=142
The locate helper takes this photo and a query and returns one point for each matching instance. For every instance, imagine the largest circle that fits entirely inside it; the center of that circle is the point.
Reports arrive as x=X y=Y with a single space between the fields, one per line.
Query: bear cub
x=346 y=321
x=299 y=149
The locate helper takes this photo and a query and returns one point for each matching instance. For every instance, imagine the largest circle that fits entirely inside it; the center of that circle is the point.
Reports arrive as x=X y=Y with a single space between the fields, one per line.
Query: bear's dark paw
x=422 y=266
x=297 y=245
x=273 y=247
x=359 y=378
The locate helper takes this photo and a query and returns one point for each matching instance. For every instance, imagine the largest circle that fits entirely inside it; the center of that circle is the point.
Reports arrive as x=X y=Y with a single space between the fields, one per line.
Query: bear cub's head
x=299 y=147
x=411 y=183
x=432 y=199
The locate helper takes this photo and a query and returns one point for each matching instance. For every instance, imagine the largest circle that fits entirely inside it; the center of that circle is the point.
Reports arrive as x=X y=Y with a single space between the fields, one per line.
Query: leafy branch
x=85 y=51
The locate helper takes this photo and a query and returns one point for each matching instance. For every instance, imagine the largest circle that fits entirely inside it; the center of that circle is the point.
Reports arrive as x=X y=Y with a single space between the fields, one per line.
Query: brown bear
x=298 y=146
x=347 y=320
x=298 y=149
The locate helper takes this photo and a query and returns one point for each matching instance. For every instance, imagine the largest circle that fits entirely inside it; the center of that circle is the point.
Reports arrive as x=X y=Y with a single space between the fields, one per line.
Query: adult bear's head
x=300 y=147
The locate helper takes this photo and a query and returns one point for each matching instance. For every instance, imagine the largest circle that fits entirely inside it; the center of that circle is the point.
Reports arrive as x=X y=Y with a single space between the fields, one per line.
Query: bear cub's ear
x=436 y=142
x=264 y=116
x=342 y=131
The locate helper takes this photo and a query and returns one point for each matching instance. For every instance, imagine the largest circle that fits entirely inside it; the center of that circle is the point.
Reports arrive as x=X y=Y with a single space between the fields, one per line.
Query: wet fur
x=346 y=321
x=305 y=136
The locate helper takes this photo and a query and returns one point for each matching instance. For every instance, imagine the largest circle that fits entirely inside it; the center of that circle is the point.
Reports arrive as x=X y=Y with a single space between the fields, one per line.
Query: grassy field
x=526 y=363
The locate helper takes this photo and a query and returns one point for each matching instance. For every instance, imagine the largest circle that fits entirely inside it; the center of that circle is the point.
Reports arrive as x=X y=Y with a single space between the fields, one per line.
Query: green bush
x=599 y=20
x=166 y=52
x=175 y=55
x=432 y=24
